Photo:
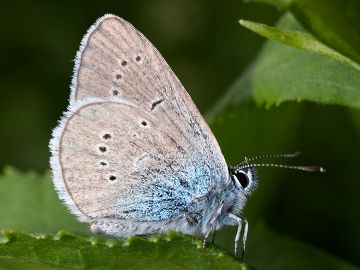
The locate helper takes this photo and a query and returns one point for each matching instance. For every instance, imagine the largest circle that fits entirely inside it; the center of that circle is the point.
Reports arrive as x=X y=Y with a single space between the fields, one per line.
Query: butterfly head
x=245 y=180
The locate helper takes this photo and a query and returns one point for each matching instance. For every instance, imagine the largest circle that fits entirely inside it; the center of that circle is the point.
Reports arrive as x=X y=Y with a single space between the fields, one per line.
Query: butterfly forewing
x=117 y=60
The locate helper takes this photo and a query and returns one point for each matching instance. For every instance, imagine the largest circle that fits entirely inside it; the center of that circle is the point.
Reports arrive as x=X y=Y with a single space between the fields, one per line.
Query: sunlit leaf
x=335 y=22
x=282 y=73
x=69 y=251
x=298 y=39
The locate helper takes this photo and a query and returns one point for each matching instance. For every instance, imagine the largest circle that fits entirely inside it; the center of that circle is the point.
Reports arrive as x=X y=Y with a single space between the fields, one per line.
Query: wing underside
x=133 y=144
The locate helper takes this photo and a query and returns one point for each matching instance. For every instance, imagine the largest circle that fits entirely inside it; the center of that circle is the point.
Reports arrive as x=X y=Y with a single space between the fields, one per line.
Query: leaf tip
x=110 y=243
x=8 y=234
x=40 y=236
x=129 y=241
x=93 y=241
x=63 y=234
x=173 y=235
x=244 y=23
x=154 y=239
x=220 y=254
x=198 y=244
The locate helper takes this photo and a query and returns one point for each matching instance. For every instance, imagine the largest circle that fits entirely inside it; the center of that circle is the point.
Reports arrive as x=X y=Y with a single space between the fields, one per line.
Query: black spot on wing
x=156 y=103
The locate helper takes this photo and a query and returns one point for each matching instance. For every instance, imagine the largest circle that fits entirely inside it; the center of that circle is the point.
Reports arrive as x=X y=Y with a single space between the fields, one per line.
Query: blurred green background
x=207 y=48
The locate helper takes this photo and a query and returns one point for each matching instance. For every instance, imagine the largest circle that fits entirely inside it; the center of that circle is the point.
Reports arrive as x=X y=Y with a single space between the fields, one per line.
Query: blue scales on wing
x=171 y=193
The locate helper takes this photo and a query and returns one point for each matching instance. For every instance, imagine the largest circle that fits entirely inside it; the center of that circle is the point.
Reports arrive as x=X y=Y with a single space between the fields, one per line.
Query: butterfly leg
x=206 y=236
x=213 y=237
x=240 y=221
x=246 y=227
x=212 y=224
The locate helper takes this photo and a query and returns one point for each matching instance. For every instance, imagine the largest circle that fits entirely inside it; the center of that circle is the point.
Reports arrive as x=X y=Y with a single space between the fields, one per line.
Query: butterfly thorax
x=209 y=212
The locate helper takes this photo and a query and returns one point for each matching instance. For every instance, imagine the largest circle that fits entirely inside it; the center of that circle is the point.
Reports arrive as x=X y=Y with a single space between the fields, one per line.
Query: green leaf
x=334 y=22
x=282 y=73
x=69 y=251
x=298 y=39
x=29 y=202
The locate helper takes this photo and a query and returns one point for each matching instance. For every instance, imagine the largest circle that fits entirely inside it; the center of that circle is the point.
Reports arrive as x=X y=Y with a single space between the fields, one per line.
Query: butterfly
x=133 y=155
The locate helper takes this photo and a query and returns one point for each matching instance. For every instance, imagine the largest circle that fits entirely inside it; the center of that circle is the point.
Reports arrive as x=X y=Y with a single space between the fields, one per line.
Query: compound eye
x=242 y=178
